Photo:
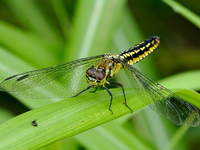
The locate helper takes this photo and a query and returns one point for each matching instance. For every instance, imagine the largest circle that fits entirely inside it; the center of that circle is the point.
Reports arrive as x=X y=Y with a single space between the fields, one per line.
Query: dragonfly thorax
x=106 y=69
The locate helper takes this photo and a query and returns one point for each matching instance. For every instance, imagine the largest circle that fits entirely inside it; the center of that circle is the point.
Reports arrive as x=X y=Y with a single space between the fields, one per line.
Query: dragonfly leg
x=110 y=96
x=82 y=91
x=94 y=90
x=123 y=93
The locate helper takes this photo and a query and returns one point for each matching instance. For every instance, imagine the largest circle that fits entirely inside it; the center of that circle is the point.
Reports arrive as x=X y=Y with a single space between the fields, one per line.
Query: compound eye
x=90 y=71
x=99 y=75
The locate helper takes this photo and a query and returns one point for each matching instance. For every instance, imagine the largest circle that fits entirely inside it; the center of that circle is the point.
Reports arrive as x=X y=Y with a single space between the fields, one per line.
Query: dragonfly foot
x=111 y=111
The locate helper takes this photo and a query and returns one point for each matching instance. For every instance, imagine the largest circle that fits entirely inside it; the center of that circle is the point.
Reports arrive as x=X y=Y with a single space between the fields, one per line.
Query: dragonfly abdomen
x=139 y=51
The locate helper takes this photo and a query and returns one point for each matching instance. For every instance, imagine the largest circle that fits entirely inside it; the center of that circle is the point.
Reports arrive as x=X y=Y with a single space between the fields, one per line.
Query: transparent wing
x=63 y=80
x=162 y=100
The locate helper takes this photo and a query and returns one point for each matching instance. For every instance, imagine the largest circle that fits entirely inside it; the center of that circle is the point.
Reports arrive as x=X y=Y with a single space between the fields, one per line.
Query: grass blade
x=189 y=15
x=66 y=118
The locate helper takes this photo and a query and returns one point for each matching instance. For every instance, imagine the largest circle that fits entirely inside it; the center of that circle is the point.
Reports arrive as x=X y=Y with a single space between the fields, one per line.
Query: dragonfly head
x=94 y=77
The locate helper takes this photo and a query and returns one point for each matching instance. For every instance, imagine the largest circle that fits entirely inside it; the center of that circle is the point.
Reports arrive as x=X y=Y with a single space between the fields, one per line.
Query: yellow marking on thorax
x=108 y=65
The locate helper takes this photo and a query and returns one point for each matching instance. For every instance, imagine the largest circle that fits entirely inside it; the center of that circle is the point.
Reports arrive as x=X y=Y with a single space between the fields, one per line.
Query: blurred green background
x=36 y=34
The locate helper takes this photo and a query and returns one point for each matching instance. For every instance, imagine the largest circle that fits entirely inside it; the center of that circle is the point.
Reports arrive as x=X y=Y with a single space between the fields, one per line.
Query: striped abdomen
x=139 y=51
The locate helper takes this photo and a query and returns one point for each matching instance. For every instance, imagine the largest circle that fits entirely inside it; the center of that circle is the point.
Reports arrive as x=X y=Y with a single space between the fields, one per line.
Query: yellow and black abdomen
x=139 y=51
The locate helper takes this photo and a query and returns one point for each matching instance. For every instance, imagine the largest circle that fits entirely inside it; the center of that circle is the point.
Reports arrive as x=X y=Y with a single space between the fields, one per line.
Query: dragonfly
x=73 y=78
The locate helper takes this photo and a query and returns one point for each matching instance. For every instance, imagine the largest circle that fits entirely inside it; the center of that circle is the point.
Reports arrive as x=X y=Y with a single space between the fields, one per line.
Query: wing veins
x=159 y=95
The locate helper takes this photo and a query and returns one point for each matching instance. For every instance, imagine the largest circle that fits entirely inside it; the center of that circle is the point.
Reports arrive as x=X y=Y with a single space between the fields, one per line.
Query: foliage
x=36 y=34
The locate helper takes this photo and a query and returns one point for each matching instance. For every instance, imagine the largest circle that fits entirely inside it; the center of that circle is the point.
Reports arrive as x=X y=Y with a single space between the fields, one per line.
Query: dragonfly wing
x=63 y=80
x=162 y=100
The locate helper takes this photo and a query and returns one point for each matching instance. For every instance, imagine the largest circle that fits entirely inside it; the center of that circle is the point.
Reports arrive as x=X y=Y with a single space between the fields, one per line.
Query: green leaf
x=63 y=17
x=179 y=134
x=5 y=115
x=188 y=79
x=189 y=95
x=94 y=24
x=189 y=15
x=111 y=136
x=32 y=17
x=67 y=118
x=25 y=45
x=64 y=119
